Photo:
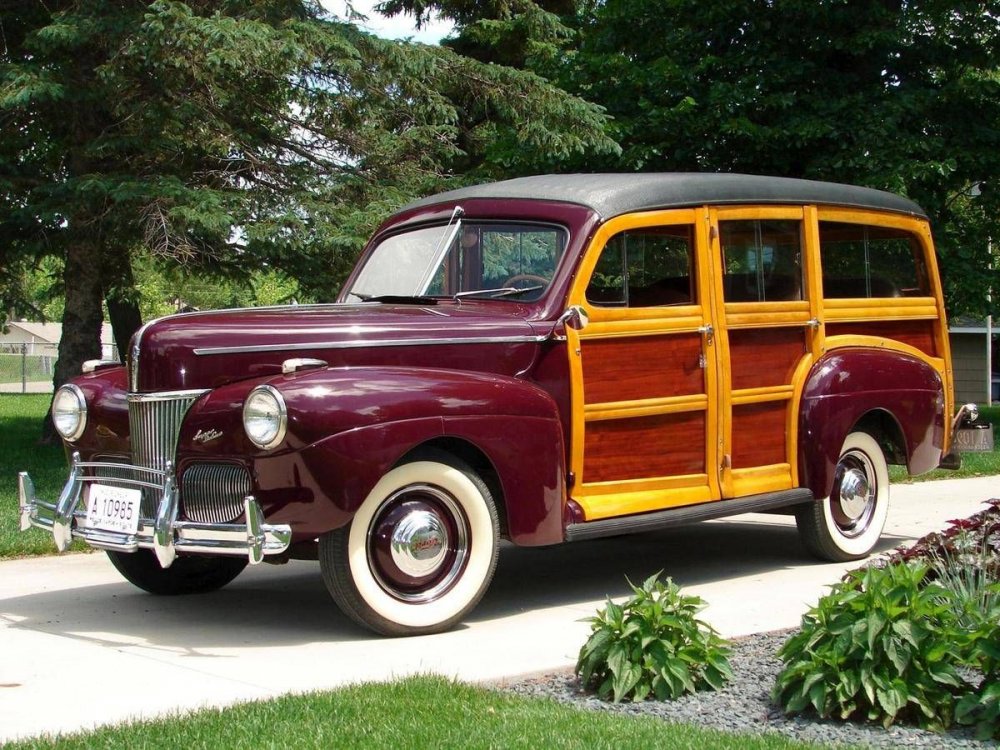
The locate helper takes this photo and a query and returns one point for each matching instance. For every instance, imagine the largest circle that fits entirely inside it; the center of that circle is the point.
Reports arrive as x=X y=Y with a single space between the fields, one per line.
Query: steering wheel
x=531 y=278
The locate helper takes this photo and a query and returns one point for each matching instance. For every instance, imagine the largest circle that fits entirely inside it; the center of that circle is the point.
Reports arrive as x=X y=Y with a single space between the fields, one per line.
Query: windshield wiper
x=504 y=291
x=396 y=299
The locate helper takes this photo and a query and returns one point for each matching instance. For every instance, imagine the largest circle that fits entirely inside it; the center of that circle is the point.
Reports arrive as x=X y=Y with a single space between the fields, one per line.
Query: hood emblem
x=207 y=436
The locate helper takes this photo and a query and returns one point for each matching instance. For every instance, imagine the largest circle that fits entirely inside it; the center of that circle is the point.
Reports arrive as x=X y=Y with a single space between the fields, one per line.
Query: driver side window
x=649 y=267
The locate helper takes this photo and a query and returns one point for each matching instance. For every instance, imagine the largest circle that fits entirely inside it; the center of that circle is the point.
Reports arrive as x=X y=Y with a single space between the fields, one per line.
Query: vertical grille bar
x=154 y=426
x=214 y=493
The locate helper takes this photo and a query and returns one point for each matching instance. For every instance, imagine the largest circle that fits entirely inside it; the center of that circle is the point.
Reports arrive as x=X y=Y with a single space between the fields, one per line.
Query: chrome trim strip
x=145 y=398
x=133 y=358
x=300 y=363
x=365 y=344
x=92 y=365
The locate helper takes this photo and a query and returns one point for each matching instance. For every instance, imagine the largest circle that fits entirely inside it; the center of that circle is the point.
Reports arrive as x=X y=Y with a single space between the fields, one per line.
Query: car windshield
x=491 y=260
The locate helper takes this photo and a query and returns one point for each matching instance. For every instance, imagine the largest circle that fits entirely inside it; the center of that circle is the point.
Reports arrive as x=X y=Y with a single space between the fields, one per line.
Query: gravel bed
x=744 y=705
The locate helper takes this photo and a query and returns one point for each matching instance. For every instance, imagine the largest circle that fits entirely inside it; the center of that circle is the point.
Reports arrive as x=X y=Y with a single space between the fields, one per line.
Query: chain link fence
x=27 y=368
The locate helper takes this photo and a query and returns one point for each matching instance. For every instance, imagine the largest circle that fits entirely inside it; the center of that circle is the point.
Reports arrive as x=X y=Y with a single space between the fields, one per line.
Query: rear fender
x=896 y=395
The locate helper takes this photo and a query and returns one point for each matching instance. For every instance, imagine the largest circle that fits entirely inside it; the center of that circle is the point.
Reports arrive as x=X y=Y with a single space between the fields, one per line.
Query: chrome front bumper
x=165 y=535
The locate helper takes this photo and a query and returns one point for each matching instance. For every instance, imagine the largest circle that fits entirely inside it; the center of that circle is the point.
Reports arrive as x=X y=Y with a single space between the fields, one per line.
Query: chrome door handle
x=708 y=332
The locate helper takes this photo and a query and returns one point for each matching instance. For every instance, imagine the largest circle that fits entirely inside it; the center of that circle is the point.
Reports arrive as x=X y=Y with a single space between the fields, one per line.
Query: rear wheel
x=847 y=524
x=418 y=554
x=189 y=574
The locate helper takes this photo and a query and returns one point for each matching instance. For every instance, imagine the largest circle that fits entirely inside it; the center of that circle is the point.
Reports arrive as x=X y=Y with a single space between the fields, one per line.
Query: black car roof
x=615 y=194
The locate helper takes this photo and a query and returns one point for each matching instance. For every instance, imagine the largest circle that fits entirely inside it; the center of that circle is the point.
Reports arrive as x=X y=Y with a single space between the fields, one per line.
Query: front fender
x=850 y=385
x=348 y=426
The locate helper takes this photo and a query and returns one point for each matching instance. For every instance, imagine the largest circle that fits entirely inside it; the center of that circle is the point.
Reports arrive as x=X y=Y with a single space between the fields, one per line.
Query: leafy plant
x=982 y=706
x=653 y=644
x=884 y=644
x=978 y=534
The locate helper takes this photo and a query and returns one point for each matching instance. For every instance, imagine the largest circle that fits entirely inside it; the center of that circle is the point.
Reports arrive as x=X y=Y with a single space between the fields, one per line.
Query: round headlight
x=69 y=412
x=265 y=417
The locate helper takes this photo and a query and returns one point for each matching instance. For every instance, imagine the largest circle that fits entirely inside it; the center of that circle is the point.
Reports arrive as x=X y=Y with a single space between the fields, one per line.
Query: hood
x=209 y=349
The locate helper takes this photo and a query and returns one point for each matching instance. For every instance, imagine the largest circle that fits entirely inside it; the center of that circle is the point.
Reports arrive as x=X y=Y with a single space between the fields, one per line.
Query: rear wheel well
x=476 y=460
x=884 y=428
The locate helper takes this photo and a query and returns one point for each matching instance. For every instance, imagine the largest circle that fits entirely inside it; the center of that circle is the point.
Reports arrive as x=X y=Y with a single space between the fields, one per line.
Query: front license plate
x=113 y=508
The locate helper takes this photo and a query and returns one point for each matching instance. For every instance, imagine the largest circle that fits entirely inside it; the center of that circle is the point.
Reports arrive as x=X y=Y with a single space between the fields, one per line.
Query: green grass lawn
x=20 y=425
x=416 y=713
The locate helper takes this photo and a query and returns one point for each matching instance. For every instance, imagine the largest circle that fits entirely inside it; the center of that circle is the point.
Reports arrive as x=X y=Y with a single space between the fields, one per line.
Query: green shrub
x=885 y=644
x=982 y=706
x=653 y=644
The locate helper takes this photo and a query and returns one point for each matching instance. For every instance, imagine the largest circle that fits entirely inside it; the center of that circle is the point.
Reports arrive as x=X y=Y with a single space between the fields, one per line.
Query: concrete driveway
x=81 y=647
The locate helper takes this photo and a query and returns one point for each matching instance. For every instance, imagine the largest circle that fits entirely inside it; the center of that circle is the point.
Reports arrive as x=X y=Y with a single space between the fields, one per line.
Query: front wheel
x=418 y=554
x=847 y=524
x=189 y=574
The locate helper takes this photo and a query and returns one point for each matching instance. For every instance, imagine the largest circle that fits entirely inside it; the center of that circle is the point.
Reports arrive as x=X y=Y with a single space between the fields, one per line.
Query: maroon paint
x=344 y=335
x=390 y=397
x=847 y=384
x=348 y=426
x=107 y=430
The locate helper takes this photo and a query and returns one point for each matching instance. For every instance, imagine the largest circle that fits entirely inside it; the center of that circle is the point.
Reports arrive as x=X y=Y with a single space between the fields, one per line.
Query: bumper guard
x=165 y=535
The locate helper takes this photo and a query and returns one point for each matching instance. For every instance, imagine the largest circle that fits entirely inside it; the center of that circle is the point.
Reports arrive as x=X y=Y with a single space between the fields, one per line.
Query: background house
x=43 y=338
x=971 y=358
x=28 y=353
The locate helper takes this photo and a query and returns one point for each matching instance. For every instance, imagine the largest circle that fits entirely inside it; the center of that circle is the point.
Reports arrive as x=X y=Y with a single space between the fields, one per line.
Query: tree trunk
x=81 y=332
x=125 y=321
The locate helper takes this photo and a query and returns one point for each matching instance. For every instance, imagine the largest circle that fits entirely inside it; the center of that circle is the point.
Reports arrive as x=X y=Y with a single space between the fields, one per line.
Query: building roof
x=615 y=194
x=51 y=332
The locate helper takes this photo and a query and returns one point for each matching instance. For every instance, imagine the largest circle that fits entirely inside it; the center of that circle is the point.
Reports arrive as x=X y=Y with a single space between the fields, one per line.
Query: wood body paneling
x=759 y=434
x=657 y=446
x=762 y=357
x=642 y=367
x=916 y=333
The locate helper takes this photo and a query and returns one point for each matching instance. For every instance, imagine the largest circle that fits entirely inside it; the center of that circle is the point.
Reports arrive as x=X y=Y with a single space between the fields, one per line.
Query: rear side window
x=645 y=268
x=863 y=261
x=761 y=260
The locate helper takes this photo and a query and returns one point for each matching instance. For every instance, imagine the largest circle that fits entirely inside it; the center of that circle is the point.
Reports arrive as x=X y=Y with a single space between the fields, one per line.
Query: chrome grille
x=214 y=493
x=154 y=425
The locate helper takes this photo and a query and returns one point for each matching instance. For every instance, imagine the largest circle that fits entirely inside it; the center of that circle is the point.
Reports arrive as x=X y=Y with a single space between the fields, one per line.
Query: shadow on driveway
x=288 y=605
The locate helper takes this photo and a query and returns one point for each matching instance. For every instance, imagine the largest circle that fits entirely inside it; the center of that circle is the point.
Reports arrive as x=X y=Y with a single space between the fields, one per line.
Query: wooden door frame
x=615 y=498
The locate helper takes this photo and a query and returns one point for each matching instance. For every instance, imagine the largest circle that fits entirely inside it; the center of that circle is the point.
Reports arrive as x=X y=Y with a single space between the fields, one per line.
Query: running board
x=662 y=519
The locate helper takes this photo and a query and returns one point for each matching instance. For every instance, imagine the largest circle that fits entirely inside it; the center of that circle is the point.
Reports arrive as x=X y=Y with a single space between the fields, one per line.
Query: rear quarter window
x=864 y=261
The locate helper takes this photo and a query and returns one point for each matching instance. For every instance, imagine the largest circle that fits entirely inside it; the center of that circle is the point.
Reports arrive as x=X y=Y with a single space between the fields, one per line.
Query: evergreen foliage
x=236 y=136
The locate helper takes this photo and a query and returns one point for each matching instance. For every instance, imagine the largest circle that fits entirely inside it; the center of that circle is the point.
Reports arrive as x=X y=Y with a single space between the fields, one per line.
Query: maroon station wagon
x=543 y=360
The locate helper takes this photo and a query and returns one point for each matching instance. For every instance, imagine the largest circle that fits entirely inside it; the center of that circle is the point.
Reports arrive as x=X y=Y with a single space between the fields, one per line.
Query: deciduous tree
x=902 y=95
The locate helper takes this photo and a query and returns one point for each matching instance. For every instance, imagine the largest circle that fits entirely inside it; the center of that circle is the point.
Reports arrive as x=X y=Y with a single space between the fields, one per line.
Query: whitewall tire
x=420 y=551
x=847 y=524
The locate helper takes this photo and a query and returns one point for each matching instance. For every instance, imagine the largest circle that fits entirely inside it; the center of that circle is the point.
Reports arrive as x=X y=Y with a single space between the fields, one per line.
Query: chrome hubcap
x=853 y=493
x=419 y=543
